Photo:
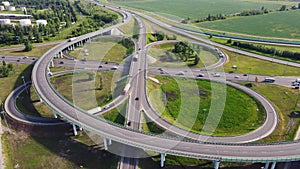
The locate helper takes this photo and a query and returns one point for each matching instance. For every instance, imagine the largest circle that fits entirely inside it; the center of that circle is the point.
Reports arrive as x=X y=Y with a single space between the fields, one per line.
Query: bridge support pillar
x=109 y=141
x=105 y=143
x=216 y=164
x=60 y=54
x=273 y=165
x=73 y=47
x=74 y=129
x=267 y=165
x=51 y=63
x=162 y=159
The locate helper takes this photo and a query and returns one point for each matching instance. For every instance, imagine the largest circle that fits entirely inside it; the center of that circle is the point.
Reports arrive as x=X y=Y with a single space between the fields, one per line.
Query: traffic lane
x=18 y=59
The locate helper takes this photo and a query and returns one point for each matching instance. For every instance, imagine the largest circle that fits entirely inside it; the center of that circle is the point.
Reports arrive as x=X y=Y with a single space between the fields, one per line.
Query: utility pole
x=24 y=84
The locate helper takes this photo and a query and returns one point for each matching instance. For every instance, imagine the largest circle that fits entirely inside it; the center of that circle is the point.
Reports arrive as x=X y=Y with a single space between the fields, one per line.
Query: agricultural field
x=278 y=24
x=197 y=8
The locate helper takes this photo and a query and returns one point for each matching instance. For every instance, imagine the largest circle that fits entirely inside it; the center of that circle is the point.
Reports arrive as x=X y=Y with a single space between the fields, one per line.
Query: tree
x=229 y=41
x=10 y=67
x=3 y=63
x=196 y=61
x=282 y=8
x=28 y=46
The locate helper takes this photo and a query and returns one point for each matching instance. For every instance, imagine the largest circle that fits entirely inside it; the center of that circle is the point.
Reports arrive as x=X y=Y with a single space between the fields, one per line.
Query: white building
x=5 y=21
x=23 y=8
x=41 y=22
x=25 y=22
x=6 y=3
x=11 y=8
x=2 y=8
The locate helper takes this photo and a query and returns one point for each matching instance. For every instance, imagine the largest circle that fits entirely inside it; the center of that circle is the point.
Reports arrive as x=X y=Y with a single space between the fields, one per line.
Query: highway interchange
x=213 y=148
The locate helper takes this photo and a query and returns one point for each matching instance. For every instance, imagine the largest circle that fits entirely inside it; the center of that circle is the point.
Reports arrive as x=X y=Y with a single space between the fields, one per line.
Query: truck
x=126 y=88
x=71 y=39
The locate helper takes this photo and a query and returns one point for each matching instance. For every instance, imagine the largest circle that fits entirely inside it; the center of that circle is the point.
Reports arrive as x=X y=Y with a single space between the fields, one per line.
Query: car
x=3 y=57
x=114 y=68
x=180 y=73
x=137 y=98
x=216 y=75
x=200 y=75
x=106 y=107
x=245 y=75
x=128 y=123
x=33 y=59
x=61 y=62
x=236 y=77
x=50 y=74
x=18 y=60
x=160 y=69
x=100 y=66
x=106 y=63
x=25 y=57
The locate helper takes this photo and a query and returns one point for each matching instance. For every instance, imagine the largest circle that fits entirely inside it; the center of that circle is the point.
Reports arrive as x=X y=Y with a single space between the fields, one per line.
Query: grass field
x=37 y=51
x=117 y=115
x=83 y=88
x=277 y=24
x=241 y=113
x=160 y=53
x=54 y=150
x=251 y=65
x=197 y=8
x=104 y=49
x=285 y=100
x=29 y=103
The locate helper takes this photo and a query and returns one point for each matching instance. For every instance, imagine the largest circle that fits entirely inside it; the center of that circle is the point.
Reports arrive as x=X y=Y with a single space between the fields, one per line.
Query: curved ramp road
x=12 y=110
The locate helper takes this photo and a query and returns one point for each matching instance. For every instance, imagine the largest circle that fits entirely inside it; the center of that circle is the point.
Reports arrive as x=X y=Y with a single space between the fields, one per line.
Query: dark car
x=136 y=98
x=61 y=62
x=3 y=56
x=129 y=123
x=100 y=66
x=106 y=63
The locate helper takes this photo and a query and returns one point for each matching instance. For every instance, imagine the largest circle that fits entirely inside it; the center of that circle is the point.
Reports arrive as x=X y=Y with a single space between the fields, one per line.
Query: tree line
x=268 y=50
x=251 y=12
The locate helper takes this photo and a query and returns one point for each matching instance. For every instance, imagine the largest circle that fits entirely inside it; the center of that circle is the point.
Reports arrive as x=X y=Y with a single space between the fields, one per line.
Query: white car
x=216 y=75
x=180 y=73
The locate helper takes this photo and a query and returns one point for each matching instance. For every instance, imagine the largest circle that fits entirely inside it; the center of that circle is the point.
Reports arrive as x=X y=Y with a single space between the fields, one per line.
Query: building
x=11 y=8
x=5 y=21
x=6 y=3
x=25 y=22
x=23 y=8
x=2 y=8
x=41 y=22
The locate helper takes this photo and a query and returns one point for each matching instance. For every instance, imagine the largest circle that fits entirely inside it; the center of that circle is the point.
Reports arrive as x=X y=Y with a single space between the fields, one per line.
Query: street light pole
x=24 y=84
